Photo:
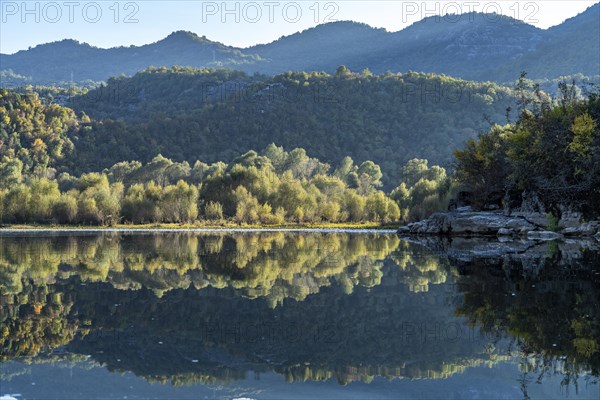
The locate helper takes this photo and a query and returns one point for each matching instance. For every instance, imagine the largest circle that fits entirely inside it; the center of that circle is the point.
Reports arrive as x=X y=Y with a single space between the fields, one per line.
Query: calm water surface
x=291 y=315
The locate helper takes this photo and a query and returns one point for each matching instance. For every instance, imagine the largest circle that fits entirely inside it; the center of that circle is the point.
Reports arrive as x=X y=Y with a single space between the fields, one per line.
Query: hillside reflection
x=206 y=308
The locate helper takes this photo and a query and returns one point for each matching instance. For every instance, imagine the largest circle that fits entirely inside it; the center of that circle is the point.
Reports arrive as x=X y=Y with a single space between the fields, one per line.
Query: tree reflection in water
x=189 y=308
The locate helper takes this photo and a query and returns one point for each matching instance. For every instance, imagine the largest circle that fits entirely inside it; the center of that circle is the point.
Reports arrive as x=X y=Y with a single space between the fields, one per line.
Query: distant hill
x=472 y=46
x=71 y=60
x=324 y=48
x=570 y=48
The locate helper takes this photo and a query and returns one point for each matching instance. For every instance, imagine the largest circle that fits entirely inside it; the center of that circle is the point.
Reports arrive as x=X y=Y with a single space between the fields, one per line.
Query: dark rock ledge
x=464 y=222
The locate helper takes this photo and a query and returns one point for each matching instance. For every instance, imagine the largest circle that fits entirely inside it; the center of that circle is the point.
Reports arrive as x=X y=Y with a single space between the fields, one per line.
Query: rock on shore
x=464 y=222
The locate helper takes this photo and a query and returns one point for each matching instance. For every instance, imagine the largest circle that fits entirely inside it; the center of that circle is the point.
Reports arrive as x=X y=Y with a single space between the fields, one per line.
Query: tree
x=10 y=172
x=32 y=132
x=99 y=202
x=44 y=193
x=369 y=177
x=414 y=170
x=142 y=203
x=157 y=170
x=330 y=211
x=87 y=210
x=277 y=155
x=583 y=129
x=177 y=119
x=354 y=205
x=247 y=206
x=342 y=71
x=248 y=190
x=123 y=170
x=213 y=210
x=345 y=170
x=179 y=203
x=482 y=168
x=422 y=191
x=549 y=153
x=381 y=208
x=199 y=172
x=64 y=209
x=15 y=204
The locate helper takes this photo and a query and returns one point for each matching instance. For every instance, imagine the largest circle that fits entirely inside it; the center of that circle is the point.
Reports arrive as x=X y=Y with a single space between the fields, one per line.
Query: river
x=296 y=315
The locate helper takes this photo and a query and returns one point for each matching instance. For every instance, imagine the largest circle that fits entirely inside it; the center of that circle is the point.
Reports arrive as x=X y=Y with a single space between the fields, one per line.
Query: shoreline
x=191 y=228
x=495 y=224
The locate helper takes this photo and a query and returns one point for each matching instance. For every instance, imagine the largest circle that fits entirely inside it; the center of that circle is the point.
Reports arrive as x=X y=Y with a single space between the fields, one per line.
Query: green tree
x=369 y=177
x=44 y=194
x=10 y=172
x=179 y=203
x=213 y=210
x=64 y=210
x=422 y=191
x=381 y=208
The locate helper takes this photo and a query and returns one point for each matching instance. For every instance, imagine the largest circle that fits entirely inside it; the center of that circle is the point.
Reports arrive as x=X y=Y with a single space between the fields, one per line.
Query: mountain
x=471 y=46
x=323 y=48
x=69 y=60
x=570 y=48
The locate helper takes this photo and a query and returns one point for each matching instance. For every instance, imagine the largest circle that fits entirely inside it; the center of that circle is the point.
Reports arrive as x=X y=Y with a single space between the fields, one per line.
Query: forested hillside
x=60 y=165
x=170 y=145
x=214 y=115
x=33 y=135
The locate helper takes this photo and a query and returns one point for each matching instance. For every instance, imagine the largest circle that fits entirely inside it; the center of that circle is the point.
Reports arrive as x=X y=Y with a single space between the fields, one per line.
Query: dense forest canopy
x=213 y=115
x=147 y=151
x=32 y=134
x=270 y=188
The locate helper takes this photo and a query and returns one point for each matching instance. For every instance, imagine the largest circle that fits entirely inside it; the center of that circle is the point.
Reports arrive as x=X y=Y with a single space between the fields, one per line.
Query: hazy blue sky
x=113 y=23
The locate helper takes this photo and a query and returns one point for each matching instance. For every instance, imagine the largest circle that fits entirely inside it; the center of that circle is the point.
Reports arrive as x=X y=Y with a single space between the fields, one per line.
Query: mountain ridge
x=473 y=46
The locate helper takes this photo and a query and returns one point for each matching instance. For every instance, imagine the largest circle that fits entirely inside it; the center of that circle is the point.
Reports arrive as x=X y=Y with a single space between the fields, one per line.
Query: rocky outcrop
x=464 y=222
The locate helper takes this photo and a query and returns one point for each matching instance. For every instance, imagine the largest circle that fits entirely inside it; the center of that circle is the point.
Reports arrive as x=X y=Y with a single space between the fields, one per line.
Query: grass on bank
x=208 y=225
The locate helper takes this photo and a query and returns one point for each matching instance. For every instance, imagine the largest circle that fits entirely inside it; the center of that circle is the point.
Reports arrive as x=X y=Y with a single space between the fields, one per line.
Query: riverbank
x=200 y=227
x=533 y=226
